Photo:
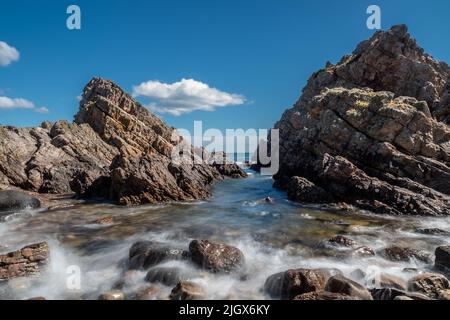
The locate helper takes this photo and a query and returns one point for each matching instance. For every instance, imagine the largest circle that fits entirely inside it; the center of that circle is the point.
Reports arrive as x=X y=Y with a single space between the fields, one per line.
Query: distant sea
x=241 y=158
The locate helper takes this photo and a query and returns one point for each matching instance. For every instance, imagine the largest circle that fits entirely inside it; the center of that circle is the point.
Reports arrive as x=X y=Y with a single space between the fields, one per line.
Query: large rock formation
x=115 y=149
x=49 y=159
x=373 y=130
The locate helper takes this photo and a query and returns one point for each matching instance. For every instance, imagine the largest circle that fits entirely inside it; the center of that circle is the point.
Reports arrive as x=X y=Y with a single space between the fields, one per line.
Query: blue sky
x=258 y=54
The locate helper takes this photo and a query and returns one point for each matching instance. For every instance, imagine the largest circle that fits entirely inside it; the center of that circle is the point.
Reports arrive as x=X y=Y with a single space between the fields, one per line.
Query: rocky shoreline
x=372 y=131
x=220 y=258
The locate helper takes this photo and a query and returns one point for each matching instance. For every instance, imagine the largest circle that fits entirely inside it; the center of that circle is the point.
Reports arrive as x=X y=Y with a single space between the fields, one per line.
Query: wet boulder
x=104 y=221
x=187 y=290
x=295 y=282
x=433 y=231
x=148 y=293
x=362 y=252
x=16 y=200
x=28 y=261
x=444 y=295
x=359 y=275
x=166 y=275
x=269 y=200
x=385 y=280
x=323 y=295
x=216 y=257
x=146 y=254
x=403 y=298
x=342 y=241
x=394 y=294
x=230 y=170
x=401 y=254
x=113 y=295
x=442 y=261
x=351 y=249
x=430 y=284
x=341 y=284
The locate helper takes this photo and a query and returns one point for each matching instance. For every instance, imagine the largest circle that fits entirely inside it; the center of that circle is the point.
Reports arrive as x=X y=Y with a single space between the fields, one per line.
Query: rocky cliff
x=372 y=130
x=116 y=149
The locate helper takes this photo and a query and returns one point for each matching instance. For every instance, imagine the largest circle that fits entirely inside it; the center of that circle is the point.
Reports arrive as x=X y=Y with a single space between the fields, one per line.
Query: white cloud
x=20 y=103
x=42 y=110
x=185 y=96
x=8 y=54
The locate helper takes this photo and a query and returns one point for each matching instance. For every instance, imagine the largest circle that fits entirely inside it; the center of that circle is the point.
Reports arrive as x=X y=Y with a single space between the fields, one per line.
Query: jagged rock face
x=356 y=135
x=50 y=160
x=121 y=121
x=116 y=149
x=144 y=171
x=389 y=61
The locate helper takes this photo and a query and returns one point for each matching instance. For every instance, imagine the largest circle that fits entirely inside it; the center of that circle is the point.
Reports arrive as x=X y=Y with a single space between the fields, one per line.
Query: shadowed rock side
x=372 y=131
x=116 y=149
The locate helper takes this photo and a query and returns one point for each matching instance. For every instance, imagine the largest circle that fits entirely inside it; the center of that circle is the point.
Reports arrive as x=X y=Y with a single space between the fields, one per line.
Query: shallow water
x=273 y=237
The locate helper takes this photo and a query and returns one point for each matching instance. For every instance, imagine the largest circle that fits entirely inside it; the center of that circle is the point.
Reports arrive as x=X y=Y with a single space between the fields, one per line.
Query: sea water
x=274 y=236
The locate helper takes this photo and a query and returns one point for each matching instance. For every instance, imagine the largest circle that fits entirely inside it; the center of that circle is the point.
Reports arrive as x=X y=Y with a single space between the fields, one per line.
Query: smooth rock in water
x=430 y=284
x=105 y=221
x=362 y=252
x=269 y=200
x=385 y=280
x=37 y=299
x=147 y=293
x=400 y=254
x=341 y=284
x=444 y=295
x=216 y=257
x=433 y=231
x=403 y=298
x=342 y=241
x=358 y=275
x=165 y=275
x=16 y=200
x=113 y=295
x=187 y=290
x=302 y=190
x=28 y=261
x=355 y=253
x=146 y=254
x=370 y=134
x=412 y=270
x=292 y=283
x=442 y=261
x=231 y=170
x=129 y=278
x=323 y=295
